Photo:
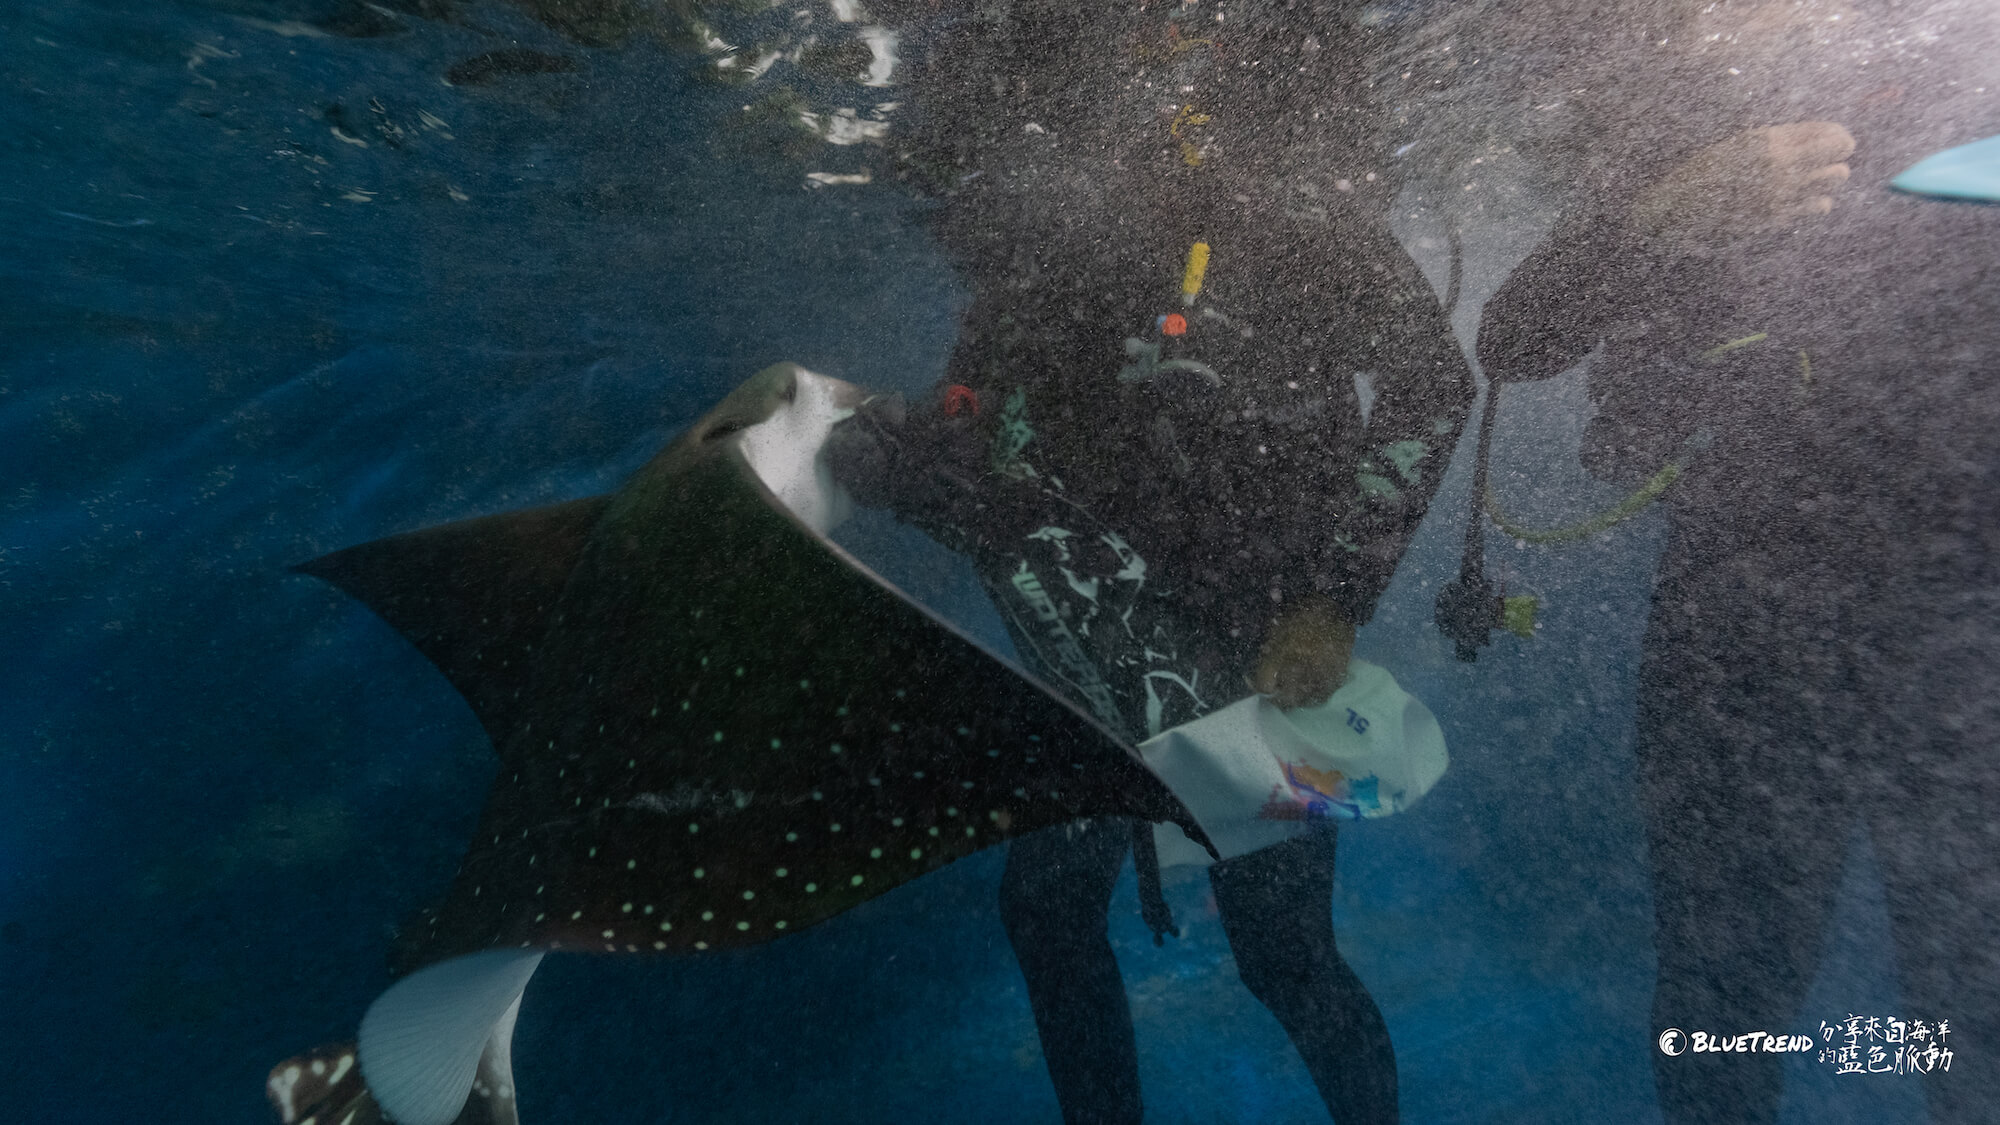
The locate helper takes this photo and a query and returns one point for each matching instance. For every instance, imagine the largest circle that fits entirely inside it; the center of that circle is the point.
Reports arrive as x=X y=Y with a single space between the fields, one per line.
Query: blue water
x=231 y=340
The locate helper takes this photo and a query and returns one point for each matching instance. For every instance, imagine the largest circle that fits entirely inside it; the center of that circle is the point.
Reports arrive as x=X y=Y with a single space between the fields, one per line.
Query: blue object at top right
x=1966 y=172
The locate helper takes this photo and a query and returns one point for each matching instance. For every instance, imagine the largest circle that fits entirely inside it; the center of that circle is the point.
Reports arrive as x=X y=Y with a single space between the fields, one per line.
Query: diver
x=1824 y=638
x=1199 y=403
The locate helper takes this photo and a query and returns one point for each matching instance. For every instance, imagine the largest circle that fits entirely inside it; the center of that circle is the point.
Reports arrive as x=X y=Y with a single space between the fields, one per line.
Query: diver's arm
x=1590 y=273
x=1626 y=256
x=1378 y=498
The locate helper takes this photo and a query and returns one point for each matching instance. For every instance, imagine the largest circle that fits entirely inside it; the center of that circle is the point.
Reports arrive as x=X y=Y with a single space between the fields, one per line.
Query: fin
x=321 y=1087
x=1969 y=171
x=715 y=727
x=439 y=1035
x=472 y=596
x=736 y=731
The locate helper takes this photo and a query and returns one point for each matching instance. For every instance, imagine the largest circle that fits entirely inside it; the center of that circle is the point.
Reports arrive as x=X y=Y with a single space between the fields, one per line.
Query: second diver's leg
x=1277 y=909
x=1054 y=899
x=1747 y=825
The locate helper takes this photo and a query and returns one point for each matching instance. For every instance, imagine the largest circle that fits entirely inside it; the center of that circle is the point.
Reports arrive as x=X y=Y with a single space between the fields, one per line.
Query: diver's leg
x=1053 y=900
x=1747 y=827
x=1938 y=872
x=1277 y=909
x=1937 y=840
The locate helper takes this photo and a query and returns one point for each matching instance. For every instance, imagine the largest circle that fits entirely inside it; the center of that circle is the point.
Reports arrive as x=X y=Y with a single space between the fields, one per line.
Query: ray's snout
x=839 y=394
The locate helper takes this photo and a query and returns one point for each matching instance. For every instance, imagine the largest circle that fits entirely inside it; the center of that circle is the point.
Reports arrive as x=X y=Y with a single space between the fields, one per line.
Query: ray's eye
x=724 y=429
x=791 y=391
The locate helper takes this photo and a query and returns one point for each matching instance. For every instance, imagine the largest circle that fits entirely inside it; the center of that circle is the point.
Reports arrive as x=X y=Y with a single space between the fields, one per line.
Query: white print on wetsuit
x=1071 y=663
x=1156 y=707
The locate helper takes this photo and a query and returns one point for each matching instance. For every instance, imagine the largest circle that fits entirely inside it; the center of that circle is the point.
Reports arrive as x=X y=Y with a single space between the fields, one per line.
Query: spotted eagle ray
x=715 y=728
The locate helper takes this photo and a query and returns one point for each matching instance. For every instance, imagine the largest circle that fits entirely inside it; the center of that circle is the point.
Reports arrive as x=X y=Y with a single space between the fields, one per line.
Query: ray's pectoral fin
x=473 y=596
x=740 y=731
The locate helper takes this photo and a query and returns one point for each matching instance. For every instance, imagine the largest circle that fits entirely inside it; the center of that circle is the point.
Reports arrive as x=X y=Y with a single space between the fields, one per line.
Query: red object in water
x=1174 y=325
x=960 y=398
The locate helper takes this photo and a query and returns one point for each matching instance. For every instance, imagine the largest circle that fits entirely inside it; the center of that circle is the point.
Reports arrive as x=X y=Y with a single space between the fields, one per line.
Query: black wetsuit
x=1147 y=481
x=1824 y=648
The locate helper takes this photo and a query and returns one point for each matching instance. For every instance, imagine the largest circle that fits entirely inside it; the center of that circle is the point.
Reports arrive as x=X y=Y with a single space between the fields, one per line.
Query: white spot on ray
x=282 y=1086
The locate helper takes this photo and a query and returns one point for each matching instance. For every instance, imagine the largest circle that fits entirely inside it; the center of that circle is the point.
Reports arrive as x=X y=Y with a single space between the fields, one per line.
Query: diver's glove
x=862 y=449
x=921 y=463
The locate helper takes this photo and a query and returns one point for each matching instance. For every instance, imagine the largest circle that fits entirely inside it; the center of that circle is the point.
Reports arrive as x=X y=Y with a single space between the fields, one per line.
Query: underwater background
x=271 y=291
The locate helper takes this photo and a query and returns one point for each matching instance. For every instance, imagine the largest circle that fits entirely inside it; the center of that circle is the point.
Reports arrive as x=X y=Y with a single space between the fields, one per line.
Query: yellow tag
x=1197 y=267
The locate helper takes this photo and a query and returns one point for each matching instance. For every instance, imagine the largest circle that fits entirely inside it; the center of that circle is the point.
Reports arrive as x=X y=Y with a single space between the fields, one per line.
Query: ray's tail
x=435 y=1049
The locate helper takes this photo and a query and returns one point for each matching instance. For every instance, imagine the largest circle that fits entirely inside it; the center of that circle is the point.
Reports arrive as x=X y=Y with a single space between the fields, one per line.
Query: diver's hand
x=1755 y=181
x=861 y=451
x=1304 y=659
x=921 y=461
